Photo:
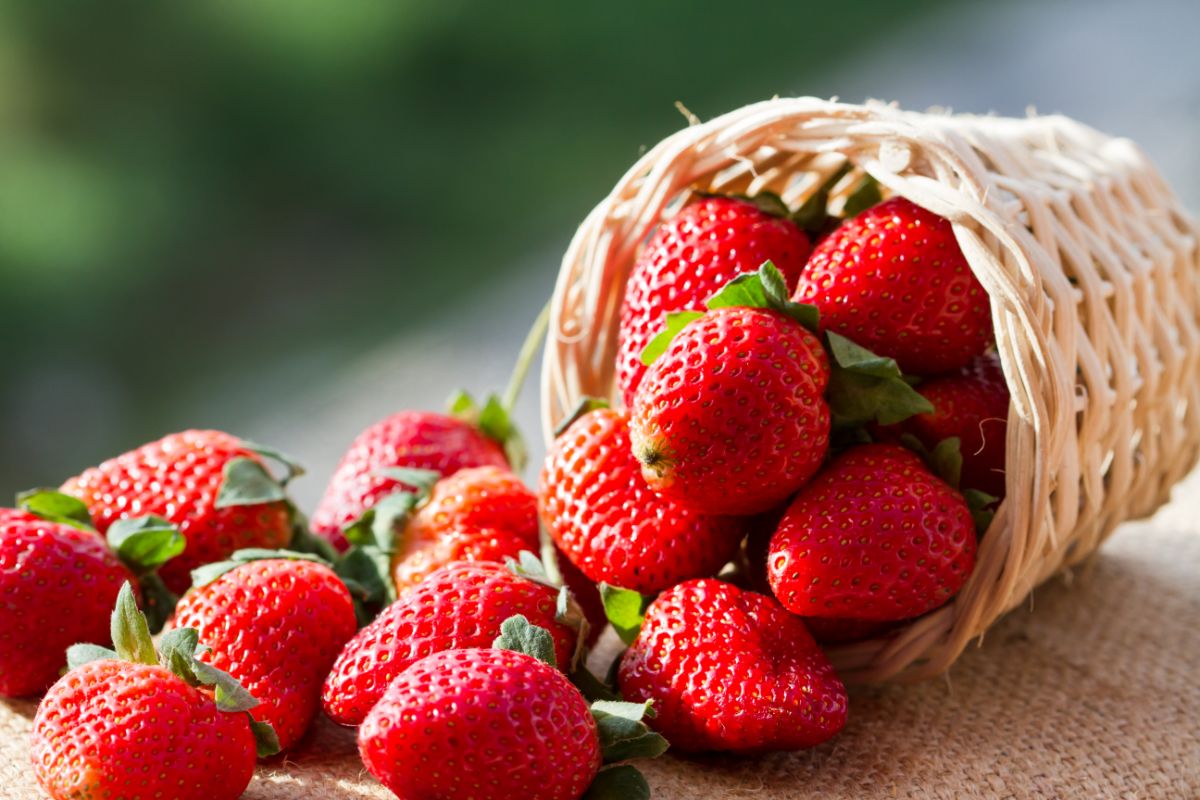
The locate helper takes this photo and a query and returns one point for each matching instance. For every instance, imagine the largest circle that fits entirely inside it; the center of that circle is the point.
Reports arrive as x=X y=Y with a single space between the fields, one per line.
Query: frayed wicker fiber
x=1093 y=273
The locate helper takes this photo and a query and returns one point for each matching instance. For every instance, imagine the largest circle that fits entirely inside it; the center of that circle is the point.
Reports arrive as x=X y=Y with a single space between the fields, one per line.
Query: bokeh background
x=287 y=218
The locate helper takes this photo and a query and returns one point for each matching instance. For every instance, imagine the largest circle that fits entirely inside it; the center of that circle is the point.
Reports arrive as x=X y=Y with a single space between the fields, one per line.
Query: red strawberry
x=731 y=419
x=894 y=280
x=458 y=606
x=692 y=255
x=410 y=439
x=183 y=478
x=729 y=669
x=118 y=725
x=481 y=723
x=276 y=625
x=57 y=587
x=476 y=514
x=971 y=404
x=599 y=511
x=875 y=536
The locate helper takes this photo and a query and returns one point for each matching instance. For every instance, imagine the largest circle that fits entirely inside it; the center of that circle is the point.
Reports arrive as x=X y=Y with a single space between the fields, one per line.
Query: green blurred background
x=210 y=211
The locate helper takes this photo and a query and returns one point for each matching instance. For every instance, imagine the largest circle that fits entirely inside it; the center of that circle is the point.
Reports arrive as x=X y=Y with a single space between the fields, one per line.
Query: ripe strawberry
x=409 y=439
x=692 y=255
x=481 y=723
x=731 y=419
x=894 y=280
x=120 y=725
x=276 y=625
x=461 y=605
x=599 y=511
x=476 y=514
x=729 y=669
x=971 y=404
x=875 y=536
x=194 y=480
x=57 y=587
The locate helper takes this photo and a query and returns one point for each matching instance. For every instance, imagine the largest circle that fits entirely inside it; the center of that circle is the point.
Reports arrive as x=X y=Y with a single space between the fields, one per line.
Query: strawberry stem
x=526 y=357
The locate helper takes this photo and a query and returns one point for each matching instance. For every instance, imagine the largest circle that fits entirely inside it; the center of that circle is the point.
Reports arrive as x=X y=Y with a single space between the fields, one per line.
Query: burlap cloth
x=1094 y=692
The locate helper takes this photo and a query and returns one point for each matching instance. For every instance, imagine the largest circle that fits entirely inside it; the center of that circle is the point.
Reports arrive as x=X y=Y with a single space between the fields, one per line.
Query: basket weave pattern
x=1093 y=273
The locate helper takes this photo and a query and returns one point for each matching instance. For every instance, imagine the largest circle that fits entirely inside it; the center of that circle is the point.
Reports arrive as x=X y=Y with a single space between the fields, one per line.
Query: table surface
x=1090 y=691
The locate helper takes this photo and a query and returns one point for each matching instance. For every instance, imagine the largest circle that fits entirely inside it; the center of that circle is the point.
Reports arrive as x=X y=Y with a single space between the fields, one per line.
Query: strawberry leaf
x=130 y=633
x=945 y=460
x=494 y=420
x=419 y=481
x=979 y=503
x=625 y=610
x=246 y=482
x=519 y=635
x=621 y=782
x=530 y=567
x=865 y=387
x=54 y=506
x=764 y=289
x=379 y=525
x=266 y=741
x=366 y=571
x=145 y=543
x=585 y=406
x=177 y=652
x=291 y=467
x=228 y=694
x=623 y=732
x=676 y=321
x=80 y=654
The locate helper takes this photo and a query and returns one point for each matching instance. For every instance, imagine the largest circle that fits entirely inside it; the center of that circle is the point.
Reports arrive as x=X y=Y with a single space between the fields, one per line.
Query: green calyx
x=865 y=387
x=944 y=460
x=247 y=481
x=625 y=610
x=982 y=508
x=55 y=506
x=624 y=735
x=764 y=288
x=145 y=543
x=623 y=731
x=567 y=610
x=132 y=643
x=494 y=420
x=518 y=634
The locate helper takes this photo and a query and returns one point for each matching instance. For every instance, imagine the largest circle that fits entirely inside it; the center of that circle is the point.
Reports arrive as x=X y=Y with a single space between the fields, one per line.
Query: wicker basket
x=1093 y=272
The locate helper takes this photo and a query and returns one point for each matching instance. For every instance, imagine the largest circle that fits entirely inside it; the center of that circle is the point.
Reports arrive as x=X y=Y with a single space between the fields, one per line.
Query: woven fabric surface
x=1091 y=693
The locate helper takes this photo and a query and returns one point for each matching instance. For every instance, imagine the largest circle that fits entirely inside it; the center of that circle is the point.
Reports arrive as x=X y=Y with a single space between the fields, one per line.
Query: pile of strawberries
x=811 y=440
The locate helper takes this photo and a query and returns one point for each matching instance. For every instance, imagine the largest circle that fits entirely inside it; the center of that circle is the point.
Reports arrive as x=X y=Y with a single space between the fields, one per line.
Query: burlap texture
x=1093 y=693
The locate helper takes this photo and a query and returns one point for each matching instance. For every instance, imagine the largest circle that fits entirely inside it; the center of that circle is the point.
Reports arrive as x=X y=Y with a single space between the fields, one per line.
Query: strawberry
x=586 y=594
x=729 y=669
x=875 y=536
x=972 y=405
x=528 y=731
x=894 y=280
x=409 y=439
x=476 y=514
x=212 y=486
x=601 y=514
x=690 y=256
x=274 y=624
x=488 y=724
x=461 y=605
x=58 y=585
x=119 y=724
x=731 y=418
